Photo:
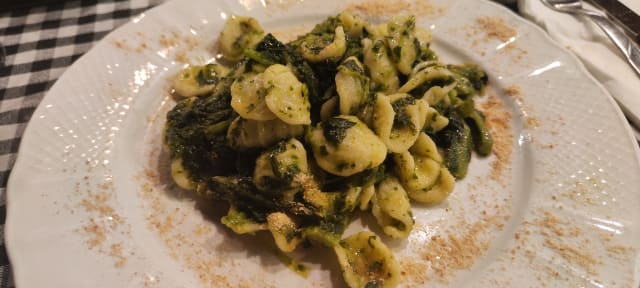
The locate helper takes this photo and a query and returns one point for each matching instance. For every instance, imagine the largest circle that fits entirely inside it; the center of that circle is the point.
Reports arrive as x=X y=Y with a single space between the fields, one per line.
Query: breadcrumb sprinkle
x=387 y=8
x=498 y=121
x=496 y=28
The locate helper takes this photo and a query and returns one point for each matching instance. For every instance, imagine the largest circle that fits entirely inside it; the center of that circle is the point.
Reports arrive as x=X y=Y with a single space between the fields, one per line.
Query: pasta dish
x=299 y=138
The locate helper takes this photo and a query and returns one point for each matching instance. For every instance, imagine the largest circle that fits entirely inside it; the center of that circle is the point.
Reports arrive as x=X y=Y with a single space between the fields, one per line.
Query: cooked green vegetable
x=195 y=132
x=470 y=79
x=482 y=141
x=456 y=141
x=244 y=195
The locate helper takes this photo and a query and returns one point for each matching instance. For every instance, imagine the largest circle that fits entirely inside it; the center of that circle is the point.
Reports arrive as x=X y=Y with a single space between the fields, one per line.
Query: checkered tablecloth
x=38 y=44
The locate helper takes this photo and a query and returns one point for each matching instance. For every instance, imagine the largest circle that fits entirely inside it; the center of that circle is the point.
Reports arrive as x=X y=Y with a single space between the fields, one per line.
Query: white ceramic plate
x=557 y=205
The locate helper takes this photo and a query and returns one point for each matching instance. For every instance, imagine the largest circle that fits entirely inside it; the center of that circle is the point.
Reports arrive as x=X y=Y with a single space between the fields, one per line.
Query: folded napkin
x=600 y=56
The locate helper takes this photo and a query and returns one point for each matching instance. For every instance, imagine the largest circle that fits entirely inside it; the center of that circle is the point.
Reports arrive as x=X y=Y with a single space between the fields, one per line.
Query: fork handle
x=622 y=41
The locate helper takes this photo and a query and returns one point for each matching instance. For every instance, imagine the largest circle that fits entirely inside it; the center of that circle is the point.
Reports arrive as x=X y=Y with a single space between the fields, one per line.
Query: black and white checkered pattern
x=38 y=44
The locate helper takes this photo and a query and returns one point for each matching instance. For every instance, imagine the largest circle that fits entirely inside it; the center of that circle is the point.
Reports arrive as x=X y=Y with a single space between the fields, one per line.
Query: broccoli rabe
x=195 y=132
x=482 y=141
x=243 y=194
x=456 y=141
x=470 y=79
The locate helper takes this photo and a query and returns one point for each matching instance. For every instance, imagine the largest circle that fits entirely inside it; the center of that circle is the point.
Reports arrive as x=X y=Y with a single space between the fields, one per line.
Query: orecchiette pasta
x=289 y=159
x=248 y=98
x=351 y=198
x=287 y=97
x=367 y=262
x=329 y=108
x=276 y=168
x=437 y=94
x=422 y=172
x=437 y=192
x=402 y=42
x=398 y=119
x=352 y=85
x=197 y=80
x=425 y=75
x=314 y=49
x=353 y=25
x=238 y=34
x=383 y=72
x=243 y=134
x=391 y=208
x=424 y=146
x=416 y=172
x=284 y=231
x=344 y=146
x=376 y=32
x=435 y=121
x=423 y=36
x=263 y=175
x=365 y=198
x=180 y=175
x=323 y=202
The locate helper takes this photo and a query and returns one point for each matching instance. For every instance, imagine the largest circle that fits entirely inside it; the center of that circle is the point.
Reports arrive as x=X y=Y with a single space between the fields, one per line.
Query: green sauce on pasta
x=301 y=137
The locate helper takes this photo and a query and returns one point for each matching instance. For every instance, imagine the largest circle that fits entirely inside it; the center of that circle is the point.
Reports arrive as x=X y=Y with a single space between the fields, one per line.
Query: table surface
x=38 y=44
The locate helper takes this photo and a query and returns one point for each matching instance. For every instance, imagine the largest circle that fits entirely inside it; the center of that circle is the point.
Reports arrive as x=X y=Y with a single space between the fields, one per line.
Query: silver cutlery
x=630 y=50
x=622 y=15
